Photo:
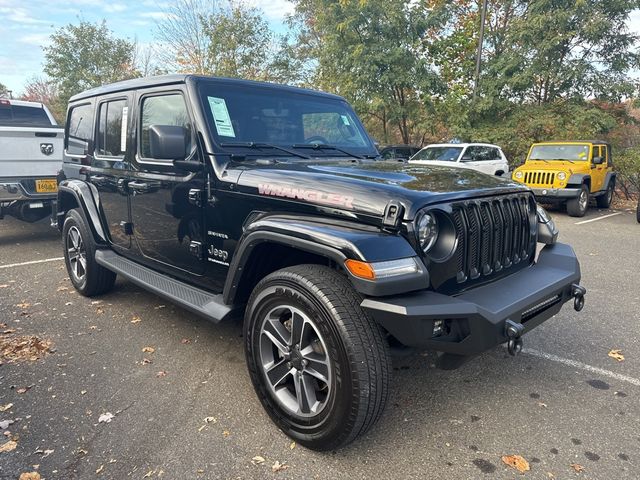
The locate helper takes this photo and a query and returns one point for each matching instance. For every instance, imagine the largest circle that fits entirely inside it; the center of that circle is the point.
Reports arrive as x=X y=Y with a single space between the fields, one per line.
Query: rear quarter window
x=79 y=137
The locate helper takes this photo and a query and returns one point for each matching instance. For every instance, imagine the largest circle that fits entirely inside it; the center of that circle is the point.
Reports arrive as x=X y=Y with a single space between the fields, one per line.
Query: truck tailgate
x=22 y=151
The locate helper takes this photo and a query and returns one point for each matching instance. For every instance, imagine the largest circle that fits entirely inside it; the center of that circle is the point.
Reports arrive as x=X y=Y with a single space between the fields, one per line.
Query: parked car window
x=163 y=110
x=110 y=129
x=80 y=130
x=445 y=154
x=31 y=116
x=388 y=153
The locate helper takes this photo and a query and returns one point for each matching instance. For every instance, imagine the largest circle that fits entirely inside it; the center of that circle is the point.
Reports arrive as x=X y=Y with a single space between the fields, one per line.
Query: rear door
x=479 y=158
x=168 y=227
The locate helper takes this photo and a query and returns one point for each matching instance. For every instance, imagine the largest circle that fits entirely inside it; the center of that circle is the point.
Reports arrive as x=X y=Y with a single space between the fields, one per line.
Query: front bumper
x=476 y=321
x=555 y=194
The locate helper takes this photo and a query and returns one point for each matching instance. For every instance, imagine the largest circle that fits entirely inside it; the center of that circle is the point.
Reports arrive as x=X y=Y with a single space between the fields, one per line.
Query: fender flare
x=610 y=177
x=88 y=199
x=577 y=179
x=337 y=241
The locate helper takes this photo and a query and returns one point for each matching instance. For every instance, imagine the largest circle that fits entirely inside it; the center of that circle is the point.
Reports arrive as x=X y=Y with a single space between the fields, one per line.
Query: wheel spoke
x=277 y=334
x=77 y=268
x=317 y=367
x=73 y=234
x=278 y=372
x=83 y=263
x=297 y=328
x=305 y=393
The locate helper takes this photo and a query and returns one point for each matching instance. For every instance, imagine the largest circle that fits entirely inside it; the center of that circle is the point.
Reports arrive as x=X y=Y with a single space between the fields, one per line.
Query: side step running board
x=198 y=301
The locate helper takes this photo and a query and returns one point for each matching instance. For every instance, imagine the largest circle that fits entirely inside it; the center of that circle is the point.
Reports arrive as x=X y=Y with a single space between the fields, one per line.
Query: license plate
x=46 y=186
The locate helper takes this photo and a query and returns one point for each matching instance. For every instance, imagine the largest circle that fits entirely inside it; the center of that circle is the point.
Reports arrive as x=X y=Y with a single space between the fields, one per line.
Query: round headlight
x=427 y=230
x=518 y=174
x=562 y=176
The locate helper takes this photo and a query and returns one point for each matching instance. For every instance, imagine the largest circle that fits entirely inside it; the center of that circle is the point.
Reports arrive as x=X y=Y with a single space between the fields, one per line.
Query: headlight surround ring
x=519 y=175
x=436 y=235
x=427 y=231
x=562 y=176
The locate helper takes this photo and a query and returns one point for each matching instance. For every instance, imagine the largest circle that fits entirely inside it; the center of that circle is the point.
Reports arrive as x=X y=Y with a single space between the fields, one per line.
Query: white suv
x=482 y=157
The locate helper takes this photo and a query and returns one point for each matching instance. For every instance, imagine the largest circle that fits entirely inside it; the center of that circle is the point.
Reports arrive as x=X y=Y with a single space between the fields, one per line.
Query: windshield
x=559 y=152
x=445 y=154
x=244 y=114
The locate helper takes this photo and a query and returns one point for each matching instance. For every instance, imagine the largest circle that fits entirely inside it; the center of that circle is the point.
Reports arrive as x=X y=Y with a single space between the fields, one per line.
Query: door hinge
x=393 y=214
x=195 y=197
x=195 y=248
x=127 y=227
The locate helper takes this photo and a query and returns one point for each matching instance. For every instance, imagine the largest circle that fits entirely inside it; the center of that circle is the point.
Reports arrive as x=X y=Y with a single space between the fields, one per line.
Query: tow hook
x=514 y=332
x=578 y=293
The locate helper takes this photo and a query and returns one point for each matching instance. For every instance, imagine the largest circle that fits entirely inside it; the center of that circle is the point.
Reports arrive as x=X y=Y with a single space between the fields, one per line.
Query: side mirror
x=168 y=142
x=598 y=160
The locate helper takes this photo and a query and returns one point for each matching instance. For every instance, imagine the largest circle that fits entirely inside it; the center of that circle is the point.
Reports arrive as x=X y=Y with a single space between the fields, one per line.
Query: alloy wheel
x=77 y=254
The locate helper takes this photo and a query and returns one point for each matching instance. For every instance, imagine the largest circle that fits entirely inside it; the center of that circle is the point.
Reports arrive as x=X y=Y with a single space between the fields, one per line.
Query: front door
x=167 y=225
x=599 y=171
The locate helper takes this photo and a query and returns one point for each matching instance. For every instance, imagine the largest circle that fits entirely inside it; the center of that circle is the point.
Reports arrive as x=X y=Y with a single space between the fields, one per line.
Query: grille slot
x=539 y=178
x=493 y=234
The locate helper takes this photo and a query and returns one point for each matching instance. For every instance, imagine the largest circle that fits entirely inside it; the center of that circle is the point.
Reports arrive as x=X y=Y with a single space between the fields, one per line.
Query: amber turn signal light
x=360 y=269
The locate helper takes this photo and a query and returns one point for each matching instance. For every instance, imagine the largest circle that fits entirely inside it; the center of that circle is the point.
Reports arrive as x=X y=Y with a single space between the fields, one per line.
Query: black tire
x=577 y=207
x=351 y=343
x=86 y=275
x=604 y=201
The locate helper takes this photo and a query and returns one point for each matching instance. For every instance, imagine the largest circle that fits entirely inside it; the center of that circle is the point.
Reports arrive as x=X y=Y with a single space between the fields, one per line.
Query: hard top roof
x=138 y=83
x=556 y=142
x=461 y=145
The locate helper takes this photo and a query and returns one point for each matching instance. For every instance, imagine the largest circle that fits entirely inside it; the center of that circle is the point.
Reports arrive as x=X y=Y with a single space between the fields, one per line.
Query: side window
x=388 y=154
x=112 y=133
x=494 y=154
x=475 y=154
x=162 y=110
x=80 y=130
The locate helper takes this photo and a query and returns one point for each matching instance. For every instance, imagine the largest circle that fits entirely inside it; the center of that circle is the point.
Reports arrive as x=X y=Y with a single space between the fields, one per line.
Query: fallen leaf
x=210 y=420
x=292 y=446
x=136 y=319
x=184 y=341
x=24 y=348
x=63 y=289
x=30 y=476
x=100 y=469
x=23 y=305
x=9 y=446
x=96 y=302
x=8 y=332
x=106 y=417
x=542 y=404
x=577 y=467
x=161 y=374
x=99 y=311
x=257 y=460
x=82 y=392
x=277 y=467
x=4 y=285
x=148 y=349
x=201 y=428
x=226 y=433
x=146 y=361
x=617 y=355
x=4 y=408
x=517 y=462
x=4 y=424
x=46 y=453
x=22 y=390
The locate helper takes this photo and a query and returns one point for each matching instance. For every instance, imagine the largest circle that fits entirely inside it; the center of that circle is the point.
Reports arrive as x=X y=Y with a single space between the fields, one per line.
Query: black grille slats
x=493 y=234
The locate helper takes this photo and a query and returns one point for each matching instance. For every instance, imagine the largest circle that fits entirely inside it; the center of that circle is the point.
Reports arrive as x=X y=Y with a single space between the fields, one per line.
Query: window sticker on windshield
x=345 y=120
x=221 y=117
x=123 y=130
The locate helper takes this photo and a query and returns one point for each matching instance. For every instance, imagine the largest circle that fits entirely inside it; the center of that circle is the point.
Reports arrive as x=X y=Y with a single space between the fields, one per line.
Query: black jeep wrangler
x=230 y=197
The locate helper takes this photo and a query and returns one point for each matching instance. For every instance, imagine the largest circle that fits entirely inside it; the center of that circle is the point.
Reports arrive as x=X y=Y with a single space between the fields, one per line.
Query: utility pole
x=483 y=18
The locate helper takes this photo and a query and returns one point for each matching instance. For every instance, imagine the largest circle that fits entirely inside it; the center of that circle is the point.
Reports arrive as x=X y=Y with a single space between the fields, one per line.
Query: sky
x=25 y=26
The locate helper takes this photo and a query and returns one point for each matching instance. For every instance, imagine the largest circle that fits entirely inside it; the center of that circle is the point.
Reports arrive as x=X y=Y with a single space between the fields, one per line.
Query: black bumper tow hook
x=578 y=293
x=514 y=332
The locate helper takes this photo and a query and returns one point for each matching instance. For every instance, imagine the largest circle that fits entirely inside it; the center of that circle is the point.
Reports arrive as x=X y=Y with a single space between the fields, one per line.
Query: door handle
x=138 y=186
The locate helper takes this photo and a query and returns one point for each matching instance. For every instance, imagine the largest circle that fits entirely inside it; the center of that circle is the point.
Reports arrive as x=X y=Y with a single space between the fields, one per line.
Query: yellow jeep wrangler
x=569 y=172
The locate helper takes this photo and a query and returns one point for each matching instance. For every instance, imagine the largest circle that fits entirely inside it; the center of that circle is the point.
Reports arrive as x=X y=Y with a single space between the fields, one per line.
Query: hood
x=555 y=166
x=367 y=187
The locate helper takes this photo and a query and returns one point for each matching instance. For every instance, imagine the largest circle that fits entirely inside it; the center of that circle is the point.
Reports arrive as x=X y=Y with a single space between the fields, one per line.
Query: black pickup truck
x=234 y=197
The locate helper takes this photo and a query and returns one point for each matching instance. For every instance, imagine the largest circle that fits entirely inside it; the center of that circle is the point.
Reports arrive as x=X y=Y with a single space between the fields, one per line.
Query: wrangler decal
x=312 y=196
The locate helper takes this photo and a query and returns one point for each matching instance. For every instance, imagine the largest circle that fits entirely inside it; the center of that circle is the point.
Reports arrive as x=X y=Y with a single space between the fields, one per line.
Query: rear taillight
x=4 y=102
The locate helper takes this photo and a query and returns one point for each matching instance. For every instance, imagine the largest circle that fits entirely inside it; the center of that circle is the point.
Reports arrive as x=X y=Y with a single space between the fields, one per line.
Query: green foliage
x=627 y=164
x=87 y=55
x=240 y=42
x=3 y=90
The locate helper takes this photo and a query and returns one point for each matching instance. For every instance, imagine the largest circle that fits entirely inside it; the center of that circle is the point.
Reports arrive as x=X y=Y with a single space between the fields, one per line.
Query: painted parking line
x=598 y=218
x=582 y=366
x=33 y=262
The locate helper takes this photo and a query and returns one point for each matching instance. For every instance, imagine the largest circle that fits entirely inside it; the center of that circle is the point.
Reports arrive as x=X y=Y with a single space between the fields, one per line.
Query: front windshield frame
x=450 y=158
x=562 y=152
x=241 y=144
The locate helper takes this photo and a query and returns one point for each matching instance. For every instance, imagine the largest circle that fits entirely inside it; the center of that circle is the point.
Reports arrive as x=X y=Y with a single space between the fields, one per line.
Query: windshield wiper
x=264 y=145
x=324 y=146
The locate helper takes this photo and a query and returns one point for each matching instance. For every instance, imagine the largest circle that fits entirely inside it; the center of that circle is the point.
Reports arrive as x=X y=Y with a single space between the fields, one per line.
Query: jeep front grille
x=493 y=234
x=539 y=178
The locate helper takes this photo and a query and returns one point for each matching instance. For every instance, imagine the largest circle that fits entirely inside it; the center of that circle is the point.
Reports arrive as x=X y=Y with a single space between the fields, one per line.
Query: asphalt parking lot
x=187 y=410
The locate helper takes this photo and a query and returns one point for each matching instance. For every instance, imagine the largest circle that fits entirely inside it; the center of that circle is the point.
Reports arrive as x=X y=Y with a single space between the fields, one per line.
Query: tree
x=374 y=53
x=185 y=45
x=42 y=90
x=85 y=56
x=4 y=91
